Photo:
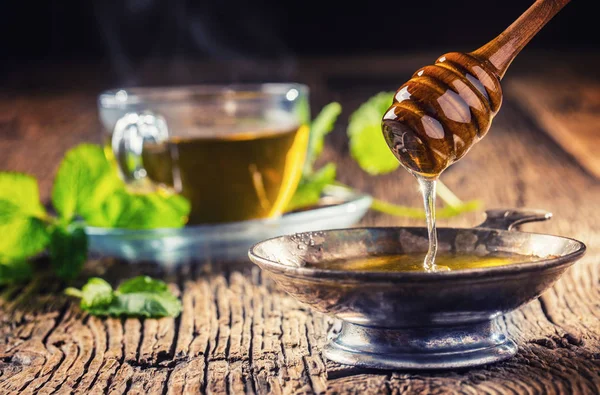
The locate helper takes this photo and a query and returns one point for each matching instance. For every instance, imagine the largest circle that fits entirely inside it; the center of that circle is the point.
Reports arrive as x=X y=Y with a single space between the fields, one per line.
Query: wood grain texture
x=568 y=111
x=239 y=334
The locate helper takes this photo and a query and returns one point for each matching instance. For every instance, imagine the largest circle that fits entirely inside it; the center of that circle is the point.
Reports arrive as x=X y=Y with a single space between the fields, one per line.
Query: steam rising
x=243 y=41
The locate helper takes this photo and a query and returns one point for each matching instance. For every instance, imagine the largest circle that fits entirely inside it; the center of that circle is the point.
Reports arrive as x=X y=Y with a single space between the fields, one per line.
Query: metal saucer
x=415 y=320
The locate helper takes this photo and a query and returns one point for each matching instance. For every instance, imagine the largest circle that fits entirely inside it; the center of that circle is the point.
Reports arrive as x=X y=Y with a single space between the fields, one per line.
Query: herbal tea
x=230 y=175
x=413 y=262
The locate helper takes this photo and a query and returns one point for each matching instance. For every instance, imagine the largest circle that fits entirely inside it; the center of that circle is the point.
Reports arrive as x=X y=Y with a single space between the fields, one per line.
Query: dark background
x=123 y=35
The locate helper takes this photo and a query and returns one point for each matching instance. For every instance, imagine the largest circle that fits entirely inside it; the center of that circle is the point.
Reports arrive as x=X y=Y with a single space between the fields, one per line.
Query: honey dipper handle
x=501 y=51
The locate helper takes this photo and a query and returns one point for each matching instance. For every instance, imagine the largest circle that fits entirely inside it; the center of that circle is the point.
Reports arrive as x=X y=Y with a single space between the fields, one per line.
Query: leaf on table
x=14 y=271
x=311 y=187
x=23 y=230
x=142 y=284
x=367 y=144
x=145 y=304
x=138 y=297
x=145 y=296
x=141 y=211
x=68 y=250
x=85 y=179
x=320 y=127
x=96 y=293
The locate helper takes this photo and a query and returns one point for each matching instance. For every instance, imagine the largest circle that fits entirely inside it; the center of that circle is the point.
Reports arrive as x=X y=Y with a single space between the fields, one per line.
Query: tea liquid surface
x=231 y=174
x=231 y=177
x=413 y=262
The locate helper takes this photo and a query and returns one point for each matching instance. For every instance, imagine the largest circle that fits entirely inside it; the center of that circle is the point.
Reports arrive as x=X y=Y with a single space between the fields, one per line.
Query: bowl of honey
x=395 y=313
x=429 y=298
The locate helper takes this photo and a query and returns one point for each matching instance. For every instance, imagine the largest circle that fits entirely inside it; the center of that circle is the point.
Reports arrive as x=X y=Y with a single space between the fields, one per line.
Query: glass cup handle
x=130 y=134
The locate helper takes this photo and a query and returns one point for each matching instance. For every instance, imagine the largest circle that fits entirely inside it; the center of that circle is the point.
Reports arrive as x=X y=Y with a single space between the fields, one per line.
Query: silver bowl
x=415 y=320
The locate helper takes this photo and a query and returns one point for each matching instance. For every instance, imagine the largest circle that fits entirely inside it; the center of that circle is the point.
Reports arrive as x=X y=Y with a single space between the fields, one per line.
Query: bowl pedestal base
x=422 y=348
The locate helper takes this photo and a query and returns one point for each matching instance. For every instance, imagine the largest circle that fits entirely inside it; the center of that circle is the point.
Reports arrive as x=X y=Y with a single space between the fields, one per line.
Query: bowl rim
x=491 y=273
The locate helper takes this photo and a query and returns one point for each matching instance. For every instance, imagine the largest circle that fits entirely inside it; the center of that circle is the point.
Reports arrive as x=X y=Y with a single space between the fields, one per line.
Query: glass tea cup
x=235 y=151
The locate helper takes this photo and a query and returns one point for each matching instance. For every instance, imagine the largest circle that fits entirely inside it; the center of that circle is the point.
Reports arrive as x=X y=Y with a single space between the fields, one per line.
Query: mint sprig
x=140 y=296
x=87 y=186
x=86 y=191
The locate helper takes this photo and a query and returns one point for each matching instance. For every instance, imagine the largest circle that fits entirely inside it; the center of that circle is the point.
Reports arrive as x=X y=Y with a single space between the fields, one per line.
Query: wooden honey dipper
x=447 y=107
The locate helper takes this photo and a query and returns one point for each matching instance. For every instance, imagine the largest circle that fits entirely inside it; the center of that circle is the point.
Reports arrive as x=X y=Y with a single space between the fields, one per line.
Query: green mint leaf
x=367 y=144
x=320 y=127
x=87 y=185
x=23 y=237
x=141 y=211
x=68 y=250
x=311 y=186
x=21 y=190
x=142 y=284
x=23 y=231
x=95 y=294
x=9 y=211
x=83 y=182
x=145 y=304
x=14 y=271
x=138 y=297
x=146 y=297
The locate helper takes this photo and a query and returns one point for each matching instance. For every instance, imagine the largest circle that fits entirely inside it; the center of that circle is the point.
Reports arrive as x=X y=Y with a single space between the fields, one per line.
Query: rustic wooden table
x=237 y=332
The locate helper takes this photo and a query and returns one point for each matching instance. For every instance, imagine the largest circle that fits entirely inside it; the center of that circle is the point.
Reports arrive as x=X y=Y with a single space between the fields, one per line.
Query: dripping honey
x=435 y=118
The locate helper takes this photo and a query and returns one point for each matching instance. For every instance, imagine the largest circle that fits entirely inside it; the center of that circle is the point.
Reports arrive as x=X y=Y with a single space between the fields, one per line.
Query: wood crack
x=571 y=338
